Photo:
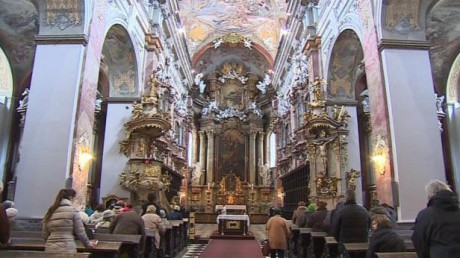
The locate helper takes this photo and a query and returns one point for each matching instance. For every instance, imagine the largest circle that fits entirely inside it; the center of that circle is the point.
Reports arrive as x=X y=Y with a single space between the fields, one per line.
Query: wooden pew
x=26 y=234
x=40 y=254
x=130 y=243
x=332 y=247
x=317 y=243
x=397 y=255
x=360 y=249
x=102 y=249
x=305 y=242
x=294 y=239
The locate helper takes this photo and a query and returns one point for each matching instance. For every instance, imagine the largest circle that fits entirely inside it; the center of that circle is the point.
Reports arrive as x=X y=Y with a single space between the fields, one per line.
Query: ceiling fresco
x=260 y=21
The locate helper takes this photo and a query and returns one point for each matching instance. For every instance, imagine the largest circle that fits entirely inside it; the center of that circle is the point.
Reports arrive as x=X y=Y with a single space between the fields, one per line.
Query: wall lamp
x=379 y=155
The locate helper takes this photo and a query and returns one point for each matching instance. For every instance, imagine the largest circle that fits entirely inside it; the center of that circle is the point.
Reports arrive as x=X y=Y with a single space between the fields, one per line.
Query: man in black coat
x=351 y=223
x=437 y=227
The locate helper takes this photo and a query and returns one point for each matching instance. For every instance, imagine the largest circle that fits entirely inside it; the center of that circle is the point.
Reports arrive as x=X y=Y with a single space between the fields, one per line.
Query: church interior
x=237 y=103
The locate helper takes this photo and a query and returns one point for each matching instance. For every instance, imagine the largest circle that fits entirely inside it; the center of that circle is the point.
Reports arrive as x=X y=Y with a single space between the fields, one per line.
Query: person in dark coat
x=298 y=213
x=351 y=223
x=175 y=214
x=128 y=223
x=330 y=216
x=437 y=227
x=384 y=238
x=316 y=220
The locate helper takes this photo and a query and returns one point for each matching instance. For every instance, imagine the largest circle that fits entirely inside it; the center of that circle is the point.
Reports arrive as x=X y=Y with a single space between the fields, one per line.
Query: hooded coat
x=383 y=240
x=437 y=227
x=351 y=224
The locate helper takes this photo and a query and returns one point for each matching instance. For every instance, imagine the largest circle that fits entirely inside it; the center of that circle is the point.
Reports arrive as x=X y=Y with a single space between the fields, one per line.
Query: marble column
x=202 y=155
x=260 y=151
x=194 y=158
x=252 y=157
x=210 y=163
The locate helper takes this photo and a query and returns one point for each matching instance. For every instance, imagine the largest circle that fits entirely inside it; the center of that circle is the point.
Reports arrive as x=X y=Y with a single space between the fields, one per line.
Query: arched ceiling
x=207 y=21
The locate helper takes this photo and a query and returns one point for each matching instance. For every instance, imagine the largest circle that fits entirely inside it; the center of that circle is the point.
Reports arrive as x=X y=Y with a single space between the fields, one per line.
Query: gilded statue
x=351 y=176
x=138 y=110
x=318 y=90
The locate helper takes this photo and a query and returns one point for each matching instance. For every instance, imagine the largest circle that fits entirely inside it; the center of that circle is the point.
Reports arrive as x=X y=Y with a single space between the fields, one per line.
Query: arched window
x=272 y=150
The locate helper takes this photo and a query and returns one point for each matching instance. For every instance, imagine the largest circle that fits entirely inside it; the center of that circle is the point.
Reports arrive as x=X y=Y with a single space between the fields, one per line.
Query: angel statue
x=25 y=99
x=247 y=43
x=217 y=42
x=138 y=110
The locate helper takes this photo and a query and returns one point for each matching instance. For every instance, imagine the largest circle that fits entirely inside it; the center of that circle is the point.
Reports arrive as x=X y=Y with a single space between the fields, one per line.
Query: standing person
x=316 y=220
x=61 y=223
x=437 y=226
x=351 y=223
x=298 y=213
x=278 y=234
x=384 y=238
x=331 y=214
x=154 y=224
x=4 y=223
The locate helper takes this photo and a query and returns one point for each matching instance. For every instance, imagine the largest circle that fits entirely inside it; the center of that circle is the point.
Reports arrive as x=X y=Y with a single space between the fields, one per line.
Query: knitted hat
x=11 y=213
x=108 y=214
x=311 y=207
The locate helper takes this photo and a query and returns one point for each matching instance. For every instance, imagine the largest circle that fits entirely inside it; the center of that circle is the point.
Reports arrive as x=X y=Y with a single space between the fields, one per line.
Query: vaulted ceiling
x=236 y=30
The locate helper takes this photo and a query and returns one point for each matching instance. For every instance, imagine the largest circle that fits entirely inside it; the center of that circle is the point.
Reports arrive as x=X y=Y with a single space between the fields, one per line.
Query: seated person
x=175 y=214
x=384 y=238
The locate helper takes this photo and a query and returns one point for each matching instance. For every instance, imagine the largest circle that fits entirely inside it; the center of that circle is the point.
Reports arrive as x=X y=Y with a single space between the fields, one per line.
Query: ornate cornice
x=153 y=43
x=403 y=44
x=61 y=39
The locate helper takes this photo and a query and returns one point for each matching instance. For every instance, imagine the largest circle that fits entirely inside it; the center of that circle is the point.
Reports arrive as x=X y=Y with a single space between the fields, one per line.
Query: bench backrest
x=40 y=254
x=397 y=255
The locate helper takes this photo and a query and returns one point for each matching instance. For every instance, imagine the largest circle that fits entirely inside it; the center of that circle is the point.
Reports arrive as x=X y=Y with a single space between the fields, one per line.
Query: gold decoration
x=152 y=170
x=351 y=179
x=233 y=38
x=326 y=185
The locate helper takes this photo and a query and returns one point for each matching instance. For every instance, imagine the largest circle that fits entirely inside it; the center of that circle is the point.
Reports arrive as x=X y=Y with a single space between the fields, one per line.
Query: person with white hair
x=175 y=214
x=437 y=226
x=12 y=213
x=4 y=223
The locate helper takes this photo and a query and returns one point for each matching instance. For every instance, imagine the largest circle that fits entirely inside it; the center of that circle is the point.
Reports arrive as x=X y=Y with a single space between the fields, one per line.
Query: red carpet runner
x=220 y=248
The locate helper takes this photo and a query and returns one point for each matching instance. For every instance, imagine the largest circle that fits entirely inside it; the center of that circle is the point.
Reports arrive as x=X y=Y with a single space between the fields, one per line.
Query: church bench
x=305 y=242
x=360 y=249
x=332 y=247
x=27 y=234
x=102 y=249
x=397 y=255
x=318 y=243
x=39 y=254
x=129 y=243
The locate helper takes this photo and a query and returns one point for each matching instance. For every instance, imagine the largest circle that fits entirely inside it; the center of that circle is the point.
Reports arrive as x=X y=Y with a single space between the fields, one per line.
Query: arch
x=346 y=55
x=119 y=56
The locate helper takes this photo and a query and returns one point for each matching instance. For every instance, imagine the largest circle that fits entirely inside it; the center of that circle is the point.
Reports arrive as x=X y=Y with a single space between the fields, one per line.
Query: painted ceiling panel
x=260 y=21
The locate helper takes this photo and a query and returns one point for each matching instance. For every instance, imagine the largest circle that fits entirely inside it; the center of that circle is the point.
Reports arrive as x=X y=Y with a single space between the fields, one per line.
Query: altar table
x=233 y=224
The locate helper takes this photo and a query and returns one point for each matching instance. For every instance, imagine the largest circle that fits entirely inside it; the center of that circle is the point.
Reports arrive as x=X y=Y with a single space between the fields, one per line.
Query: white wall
x=354 y=159
x=415 y=136
x=113 y=161
x=45 y=149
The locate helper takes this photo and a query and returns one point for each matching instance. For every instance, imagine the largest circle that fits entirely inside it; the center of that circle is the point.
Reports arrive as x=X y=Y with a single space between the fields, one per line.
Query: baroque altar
x=230 y=166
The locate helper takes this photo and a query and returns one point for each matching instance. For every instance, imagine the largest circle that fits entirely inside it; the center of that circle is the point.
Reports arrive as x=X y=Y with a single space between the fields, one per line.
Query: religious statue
x=25 y=99
x=365 y=101
x=318 y=90
x=98 y=104
x=196 y=173
x=439 y=101
x=264 y=172
x=247 y=43
x=138 y=110
x=321 y=142
x=351 y=176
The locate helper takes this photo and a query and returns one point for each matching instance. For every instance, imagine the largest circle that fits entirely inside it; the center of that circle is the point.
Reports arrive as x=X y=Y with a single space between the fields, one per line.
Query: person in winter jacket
x=278 y=234
x=298 y=213
x=62 y=222
x=384 y=238
x=351 y=223
x=437 y=226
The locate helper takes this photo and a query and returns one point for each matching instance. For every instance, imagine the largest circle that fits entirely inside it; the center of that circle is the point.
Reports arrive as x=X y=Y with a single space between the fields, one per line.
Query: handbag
x=266 y=250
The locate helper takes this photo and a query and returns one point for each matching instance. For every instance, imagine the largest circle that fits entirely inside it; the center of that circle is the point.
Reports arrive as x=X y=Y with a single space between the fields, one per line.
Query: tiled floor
x=204 y=231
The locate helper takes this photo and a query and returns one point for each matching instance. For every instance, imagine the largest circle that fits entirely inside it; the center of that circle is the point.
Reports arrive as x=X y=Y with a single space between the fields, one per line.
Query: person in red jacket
x=4 y=223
